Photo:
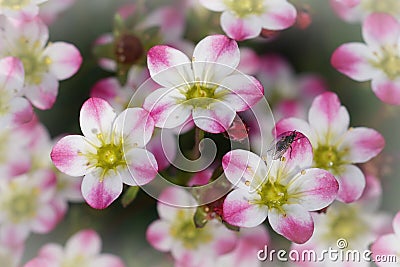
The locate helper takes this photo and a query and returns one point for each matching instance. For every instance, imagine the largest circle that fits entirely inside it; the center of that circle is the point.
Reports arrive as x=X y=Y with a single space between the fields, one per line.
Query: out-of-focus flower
x=13 y=147
x=81 y=250
x=285 y=91
x=26 y=205
x=110 y=152
x=336 y=146
x=354 y=11
x=39 y=148
x=388 y=245
x=10 y=253
x=378 y=60
x=250 y=241
x=44 y=64
x=14 y=109
x=204 y=87
x=50 y=10
x=285 y=193
x=20 y=10
x=351 y=224
x=245 y=19
x=288 y=94
x=347 y=227
x=176 y=232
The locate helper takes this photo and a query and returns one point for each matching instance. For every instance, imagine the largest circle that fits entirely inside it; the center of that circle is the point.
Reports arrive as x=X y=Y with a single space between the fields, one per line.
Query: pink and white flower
x=40 y=146
x=176 y=232
x=81 y=250
x=388 y=245
x=20 y=9
x=121 y=97
x=336 y=146
x=351 y=226
x=44 y=64
x=250 y=241
x=243 y=20
x=205 y=87
x=285 y=192
x=14 y=145
x=354 y=11
x=288 y=94
x=377 y=60
x=50 y=10
x=26 y=205
x=110 y=152
x=14 y=109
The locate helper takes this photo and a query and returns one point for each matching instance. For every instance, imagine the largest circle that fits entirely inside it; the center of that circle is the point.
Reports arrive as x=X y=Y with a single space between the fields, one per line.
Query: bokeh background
x=309 y=50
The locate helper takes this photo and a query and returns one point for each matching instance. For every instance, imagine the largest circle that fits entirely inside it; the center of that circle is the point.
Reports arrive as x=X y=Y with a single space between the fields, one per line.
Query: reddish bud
x=128 y=49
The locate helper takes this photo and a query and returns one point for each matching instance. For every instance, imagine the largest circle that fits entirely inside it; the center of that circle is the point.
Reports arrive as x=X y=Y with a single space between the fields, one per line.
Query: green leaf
x=129 y=195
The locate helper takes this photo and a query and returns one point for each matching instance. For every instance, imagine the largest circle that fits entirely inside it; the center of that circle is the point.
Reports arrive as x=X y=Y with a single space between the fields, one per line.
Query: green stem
x=198 y=136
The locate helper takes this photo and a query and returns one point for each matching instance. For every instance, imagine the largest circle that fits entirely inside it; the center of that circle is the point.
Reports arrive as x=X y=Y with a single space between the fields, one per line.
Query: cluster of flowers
x=34 y=195
x=308 y=184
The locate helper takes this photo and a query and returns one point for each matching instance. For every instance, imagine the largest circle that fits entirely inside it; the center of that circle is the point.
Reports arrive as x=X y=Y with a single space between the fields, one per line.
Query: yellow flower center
x=200 y=95
x=35 y=64
x=344 y=223
x=184 y=229
x=389 y=62
x=14 y=4
x=273 y=195
x=110 y=156
x=329 y=158
x=244 y=8
x=20 y=203
x=391 y=7
x=77 y=261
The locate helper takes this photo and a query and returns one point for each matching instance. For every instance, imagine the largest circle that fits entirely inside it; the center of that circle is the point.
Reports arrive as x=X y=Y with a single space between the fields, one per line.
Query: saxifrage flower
x=205 y=87
x=285 y=192
x=176 y=232
x=378 y=60
x=245 y=19
x=81 y=250
x=336 y=146
x=110 y=152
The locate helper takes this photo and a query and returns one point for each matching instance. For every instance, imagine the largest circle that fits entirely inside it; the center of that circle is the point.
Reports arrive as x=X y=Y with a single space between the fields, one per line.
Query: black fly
x=281 y=144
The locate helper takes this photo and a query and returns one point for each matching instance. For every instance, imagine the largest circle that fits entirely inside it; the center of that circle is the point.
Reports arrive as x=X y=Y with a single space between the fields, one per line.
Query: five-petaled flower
x=377 y=60
x=336 y=146
x=110 y=152
x=27 y=204
x=44 y=64
x=285 y=192
x=176 y=232
x=245 y=19
x=205 y=87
